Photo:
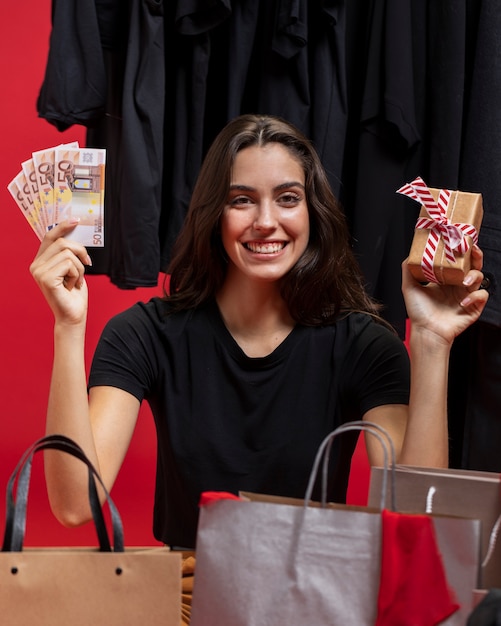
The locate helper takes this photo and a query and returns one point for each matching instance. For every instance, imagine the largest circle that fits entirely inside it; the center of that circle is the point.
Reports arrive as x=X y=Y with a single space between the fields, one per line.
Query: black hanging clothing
x=479 y=170
x=475 y=384
x=132 y=133
x=74 y=86
x=387 y=132
x=112 y=80
x=189 y=27
x=284 y=57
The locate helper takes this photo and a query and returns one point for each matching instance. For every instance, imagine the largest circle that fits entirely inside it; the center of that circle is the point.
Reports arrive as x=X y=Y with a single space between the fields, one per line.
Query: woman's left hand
x=446 y=310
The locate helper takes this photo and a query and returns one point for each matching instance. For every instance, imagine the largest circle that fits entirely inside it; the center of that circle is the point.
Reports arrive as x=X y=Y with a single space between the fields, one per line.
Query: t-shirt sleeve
x=125 y=354
x=377 y=369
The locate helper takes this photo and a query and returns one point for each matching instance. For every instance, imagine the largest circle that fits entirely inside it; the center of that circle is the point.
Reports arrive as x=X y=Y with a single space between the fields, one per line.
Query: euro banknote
x=19 y=190
x=44 y=163
x=63 y=182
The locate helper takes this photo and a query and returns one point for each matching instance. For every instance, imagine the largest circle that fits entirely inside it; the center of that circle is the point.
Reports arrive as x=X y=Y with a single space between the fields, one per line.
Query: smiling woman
x=265 y=344
x=265 y=225
x=264 y=232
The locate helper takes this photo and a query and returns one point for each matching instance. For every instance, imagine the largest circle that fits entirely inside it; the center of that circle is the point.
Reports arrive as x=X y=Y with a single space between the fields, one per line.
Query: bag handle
x=324 y=452
x=15 y=524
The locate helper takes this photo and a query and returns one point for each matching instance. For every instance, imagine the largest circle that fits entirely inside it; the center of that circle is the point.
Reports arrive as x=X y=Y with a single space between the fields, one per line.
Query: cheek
x=230 y=233
x=299 y=227
x=233 y=226
x=304 y=236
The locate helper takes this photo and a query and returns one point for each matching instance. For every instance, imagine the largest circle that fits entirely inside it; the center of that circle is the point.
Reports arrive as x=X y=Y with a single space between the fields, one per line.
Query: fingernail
x=88 y=260
x=466 y=301
x=74 y=220
x=468 y=280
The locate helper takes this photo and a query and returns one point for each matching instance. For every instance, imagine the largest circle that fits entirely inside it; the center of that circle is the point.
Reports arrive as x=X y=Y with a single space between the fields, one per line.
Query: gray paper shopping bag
x=267 y=561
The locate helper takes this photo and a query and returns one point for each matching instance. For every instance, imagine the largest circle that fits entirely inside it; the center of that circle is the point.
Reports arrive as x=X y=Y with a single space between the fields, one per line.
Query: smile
x=265 y=248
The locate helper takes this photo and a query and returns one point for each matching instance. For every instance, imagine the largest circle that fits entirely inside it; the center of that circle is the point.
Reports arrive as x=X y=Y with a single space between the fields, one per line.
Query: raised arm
x=438 y=314
x=103 y=426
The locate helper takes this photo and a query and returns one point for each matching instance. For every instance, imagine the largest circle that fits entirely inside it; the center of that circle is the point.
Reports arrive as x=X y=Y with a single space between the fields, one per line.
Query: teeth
x=265 y=248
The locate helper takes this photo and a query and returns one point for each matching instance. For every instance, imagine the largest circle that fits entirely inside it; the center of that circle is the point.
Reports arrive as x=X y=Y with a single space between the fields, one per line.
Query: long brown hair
x=326 y=280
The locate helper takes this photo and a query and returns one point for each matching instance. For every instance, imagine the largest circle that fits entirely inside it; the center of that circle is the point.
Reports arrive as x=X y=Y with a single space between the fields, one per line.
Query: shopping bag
x=263 y=560
x=461 y=493
x=109 y=585
x=487 y=610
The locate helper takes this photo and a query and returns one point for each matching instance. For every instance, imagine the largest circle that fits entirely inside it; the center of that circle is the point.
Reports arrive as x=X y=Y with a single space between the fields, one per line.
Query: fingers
x=475 y=301
x=474 y=278
x=477 y=257
x=477 y=295
x=408 y=280
x=60 y=261
x=63 y=230
x=426 y=301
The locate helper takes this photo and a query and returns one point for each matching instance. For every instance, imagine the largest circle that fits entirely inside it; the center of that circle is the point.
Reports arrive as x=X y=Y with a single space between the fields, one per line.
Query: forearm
x=426 y=436
x=68 y=414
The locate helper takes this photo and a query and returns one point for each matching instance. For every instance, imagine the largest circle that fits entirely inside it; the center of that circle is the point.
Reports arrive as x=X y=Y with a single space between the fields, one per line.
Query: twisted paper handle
x=440 y=227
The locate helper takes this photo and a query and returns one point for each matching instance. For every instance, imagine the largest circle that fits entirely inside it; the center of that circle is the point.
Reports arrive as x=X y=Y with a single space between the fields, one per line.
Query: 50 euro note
x=44 y=162
x=28 y=168
x=79 y=175
x=19 y=189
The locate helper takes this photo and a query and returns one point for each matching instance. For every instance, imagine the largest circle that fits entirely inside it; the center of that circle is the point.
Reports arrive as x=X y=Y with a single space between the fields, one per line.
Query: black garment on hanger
x=281 y=57
x=475 y=379
x=388 y=141
x=74 y=85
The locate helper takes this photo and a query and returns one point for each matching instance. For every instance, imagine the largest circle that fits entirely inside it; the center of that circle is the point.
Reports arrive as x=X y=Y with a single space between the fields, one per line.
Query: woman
x=267 y=342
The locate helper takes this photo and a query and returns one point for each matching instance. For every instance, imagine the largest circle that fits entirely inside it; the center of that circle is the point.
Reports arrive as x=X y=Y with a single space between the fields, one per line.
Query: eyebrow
x=286 y=185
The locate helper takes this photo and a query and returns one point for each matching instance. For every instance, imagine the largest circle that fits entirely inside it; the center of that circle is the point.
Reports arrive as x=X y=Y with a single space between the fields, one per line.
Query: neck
x=258 y=318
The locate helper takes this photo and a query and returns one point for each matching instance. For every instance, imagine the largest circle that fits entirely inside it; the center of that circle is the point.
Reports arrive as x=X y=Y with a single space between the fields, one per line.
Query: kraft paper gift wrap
x=447 y=227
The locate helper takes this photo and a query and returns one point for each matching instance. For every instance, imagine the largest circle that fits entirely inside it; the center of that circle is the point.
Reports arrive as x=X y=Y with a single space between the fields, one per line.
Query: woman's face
x=265 y=224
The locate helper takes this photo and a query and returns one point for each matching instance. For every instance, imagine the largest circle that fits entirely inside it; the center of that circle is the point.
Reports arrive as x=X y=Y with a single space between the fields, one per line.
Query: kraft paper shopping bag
x=111 y=585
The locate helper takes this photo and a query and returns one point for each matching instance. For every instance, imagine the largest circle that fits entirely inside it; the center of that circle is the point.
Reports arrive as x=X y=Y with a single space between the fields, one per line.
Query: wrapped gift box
x=464 y=210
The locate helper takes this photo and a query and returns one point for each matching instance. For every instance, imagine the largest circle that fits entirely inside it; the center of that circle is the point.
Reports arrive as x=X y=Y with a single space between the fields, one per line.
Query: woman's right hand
x=59 y=269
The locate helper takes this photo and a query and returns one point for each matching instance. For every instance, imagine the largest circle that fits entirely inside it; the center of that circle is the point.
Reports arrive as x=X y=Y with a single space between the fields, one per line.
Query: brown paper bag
x=102 y=586
x=463 y=493
x=267 y=561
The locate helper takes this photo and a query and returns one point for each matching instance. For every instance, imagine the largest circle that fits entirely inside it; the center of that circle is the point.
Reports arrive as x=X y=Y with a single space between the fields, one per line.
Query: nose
x=265 y=218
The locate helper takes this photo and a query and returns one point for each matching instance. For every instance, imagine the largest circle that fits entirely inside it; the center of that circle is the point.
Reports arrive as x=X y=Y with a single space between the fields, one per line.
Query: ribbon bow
x=454 y=235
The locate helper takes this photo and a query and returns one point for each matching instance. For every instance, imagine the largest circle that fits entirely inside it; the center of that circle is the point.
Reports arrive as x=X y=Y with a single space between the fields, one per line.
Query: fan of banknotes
x=63 y=182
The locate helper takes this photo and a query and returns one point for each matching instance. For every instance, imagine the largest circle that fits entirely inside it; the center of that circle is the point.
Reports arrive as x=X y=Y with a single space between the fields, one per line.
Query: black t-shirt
x=228 y=422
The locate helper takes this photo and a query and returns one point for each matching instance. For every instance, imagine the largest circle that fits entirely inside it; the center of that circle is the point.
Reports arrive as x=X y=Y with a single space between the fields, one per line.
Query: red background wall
x=25 y=320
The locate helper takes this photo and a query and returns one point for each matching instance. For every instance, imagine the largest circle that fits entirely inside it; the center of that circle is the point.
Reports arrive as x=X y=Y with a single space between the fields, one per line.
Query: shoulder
x=366 y=345
x=155 y=313
x=153 y=322
x=364 y=328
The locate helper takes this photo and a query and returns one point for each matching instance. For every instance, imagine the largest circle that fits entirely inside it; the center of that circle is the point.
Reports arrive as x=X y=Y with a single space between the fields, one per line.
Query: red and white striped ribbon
x=439 y=225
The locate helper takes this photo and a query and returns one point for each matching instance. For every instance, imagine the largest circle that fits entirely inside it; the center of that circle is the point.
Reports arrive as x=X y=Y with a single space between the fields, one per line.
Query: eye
x=290 y=198
x=239 y=200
